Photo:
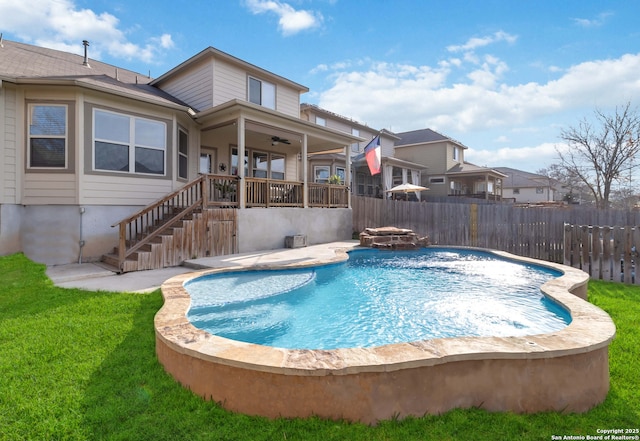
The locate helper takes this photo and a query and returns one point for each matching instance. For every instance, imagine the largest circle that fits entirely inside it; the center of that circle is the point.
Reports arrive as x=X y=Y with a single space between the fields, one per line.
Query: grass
x=79 y=365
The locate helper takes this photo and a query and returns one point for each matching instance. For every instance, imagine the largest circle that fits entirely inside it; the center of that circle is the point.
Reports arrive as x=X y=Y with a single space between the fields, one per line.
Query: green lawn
x=78 y=365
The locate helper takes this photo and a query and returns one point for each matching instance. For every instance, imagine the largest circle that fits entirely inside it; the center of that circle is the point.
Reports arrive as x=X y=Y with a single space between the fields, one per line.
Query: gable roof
x=520 y=178
x=22 y=63
x=423 y=136
x=216 y=53
x=467 y=168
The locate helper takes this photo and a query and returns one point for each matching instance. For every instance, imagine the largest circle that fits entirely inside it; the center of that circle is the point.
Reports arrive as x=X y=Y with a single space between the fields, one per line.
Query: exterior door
x=208 y=160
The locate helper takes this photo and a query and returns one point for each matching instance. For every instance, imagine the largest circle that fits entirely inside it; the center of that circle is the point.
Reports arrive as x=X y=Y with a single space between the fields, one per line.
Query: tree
x=567 y=185
x=602 y=153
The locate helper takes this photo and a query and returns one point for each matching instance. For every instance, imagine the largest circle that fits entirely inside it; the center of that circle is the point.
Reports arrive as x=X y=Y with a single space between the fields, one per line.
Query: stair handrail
x=159 y=202
x=124 y=252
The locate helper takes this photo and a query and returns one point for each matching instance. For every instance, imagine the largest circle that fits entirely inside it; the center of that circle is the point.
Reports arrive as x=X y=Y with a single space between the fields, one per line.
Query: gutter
x=63 y=82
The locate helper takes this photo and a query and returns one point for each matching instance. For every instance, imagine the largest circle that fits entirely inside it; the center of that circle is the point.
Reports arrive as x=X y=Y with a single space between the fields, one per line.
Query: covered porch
x=471 y=181
x=274 y=148
x=393 y=172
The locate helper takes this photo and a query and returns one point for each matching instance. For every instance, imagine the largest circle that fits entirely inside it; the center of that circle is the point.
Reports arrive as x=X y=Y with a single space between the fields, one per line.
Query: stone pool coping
x=591 y=328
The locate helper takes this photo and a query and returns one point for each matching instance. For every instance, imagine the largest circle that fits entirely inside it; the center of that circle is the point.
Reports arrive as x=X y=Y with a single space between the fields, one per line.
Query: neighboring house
x=85 y=145
x=394 y=171
x=526 y=187
x=448 y=173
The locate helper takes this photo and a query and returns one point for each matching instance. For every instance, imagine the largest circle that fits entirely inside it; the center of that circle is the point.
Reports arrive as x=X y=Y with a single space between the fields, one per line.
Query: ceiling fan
x=275 y=140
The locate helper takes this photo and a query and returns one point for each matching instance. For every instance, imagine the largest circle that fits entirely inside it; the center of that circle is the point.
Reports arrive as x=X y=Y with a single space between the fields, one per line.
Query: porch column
x=486 y=187
x=305 y=174
x=241 y=148
x=347 y=174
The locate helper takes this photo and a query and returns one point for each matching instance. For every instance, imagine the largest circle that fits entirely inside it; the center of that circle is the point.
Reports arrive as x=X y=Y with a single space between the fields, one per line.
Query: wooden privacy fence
x=604 y=252
x=536 y=232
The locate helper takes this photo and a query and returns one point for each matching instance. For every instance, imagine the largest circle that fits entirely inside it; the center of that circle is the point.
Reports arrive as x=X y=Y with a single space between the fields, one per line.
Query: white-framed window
x=263 y=164
x=321 y=121
x=260 y=165
x=355 y=147
x=128 y=144
x=482 y=187
x=539 y=190
x=341 y=173
x=234 y=162
x=276 y=166
x=321 y=174
x=262 y=93
x=367 y=185
x=456 y=153
x=48 y=130
x=183 y=157
x=396 y=176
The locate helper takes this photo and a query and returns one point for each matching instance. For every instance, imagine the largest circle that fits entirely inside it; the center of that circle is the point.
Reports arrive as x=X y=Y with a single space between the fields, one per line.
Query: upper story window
x=356 y=145
x=128 y=144
x=47 y=136
x=321 y=121
x=262 y=93
x=456 y=153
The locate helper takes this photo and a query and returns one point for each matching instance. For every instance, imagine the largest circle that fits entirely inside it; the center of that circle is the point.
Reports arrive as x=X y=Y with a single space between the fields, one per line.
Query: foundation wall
x=573 y=383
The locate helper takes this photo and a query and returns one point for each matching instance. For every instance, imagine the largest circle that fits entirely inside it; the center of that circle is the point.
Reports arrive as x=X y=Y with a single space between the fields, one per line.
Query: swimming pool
x=565 y=370
x=378 y=298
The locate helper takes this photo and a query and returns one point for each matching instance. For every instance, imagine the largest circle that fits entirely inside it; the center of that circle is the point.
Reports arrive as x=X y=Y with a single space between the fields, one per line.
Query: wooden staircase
x=190 y=223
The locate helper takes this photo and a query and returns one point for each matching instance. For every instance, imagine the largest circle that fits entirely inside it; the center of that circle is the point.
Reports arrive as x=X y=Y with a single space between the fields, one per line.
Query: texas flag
x=372 y=154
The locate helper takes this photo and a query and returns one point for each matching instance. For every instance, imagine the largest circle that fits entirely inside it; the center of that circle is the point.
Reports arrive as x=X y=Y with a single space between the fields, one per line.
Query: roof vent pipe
x=85 y=43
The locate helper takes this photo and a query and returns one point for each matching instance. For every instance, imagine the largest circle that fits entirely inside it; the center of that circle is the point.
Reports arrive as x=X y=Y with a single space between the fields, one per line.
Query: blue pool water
x=377 y=298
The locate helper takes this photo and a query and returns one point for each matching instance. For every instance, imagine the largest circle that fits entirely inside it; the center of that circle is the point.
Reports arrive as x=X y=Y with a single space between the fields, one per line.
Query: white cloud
x=422 y=96
x=62 y=24
x=290 y=21
x=477 y=42
x=524 y=158
x=600 y=20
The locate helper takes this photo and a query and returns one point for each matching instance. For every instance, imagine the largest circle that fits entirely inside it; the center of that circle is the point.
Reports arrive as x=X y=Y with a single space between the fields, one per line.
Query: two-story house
x=94 y=156
x=421 y=157
x=394 y=170
x=448 y=173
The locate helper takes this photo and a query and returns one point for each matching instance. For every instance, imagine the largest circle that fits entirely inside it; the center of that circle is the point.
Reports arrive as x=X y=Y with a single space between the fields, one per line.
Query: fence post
x=568 y=244
x=204 y=185
x=473 y=224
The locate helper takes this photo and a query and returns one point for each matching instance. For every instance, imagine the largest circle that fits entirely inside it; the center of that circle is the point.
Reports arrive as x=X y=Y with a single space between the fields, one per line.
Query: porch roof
x=274 y=123
x=468 y=169
x=360 y=160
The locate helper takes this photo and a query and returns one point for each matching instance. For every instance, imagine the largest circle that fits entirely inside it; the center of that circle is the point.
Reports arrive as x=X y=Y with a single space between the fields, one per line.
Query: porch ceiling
x=262 y=124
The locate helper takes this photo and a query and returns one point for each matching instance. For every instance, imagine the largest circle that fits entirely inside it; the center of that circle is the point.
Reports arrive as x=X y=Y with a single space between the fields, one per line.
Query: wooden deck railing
x=220 y=191
x=273 y=193
x=328 y=195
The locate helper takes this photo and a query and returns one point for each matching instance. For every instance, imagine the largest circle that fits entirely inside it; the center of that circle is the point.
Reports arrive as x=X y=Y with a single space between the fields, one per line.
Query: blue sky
x=502 y=77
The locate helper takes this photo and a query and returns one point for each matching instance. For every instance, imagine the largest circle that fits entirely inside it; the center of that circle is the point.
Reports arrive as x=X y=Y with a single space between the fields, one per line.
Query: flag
x=373 y=155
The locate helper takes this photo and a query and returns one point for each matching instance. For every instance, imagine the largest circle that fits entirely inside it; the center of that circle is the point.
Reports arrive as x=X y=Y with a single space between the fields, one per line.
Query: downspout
x=81 y=242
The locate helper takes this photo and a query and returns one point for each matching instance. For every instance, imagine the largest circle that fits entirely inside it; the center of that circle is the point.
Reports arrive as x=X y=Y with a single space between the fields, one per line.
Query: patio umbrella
x=406 y=188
